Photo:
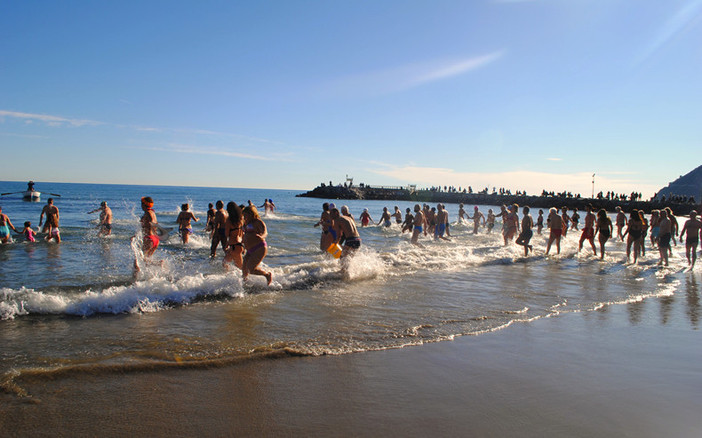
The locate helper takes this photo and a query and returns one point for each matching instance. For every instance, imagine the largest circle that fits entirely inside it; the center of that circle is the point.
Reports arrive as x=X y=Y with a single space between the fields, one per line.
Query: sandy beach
x=626 y=370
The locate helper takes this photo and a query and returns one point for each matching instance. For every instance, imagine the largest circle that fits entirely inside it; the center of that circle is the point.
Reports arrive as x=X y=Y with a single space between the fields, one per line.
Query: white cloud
x=205 y=150
x=672 y=27
x=48 y=119
x=554 y=159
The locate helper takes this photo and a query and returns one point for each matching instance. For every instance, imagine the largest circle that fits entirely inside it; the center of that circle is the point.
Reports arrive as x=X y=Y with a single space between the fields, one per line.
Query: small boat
x=31 y=195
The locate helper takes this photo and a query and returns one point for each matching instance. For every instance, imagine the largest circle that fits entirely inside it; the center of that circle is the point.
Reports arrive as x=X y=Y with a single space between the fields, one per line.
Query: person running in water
x=5 y=226
x=477 y=216
x=556 y=224
x=605 y=229
x=692 y=227
x=219 y=236
x=254 y=240
x=183 y=220
x=588 y=230
x=149 y=225
x=233 y=228
x=621 y=222
x=526 y=234
x=52 y=221
x=105 y=219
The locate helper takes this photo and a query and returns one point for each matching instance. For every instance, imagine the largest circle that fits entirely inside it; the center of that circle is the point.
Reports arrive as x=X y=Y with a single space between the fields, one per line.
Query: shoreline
x=623 y=370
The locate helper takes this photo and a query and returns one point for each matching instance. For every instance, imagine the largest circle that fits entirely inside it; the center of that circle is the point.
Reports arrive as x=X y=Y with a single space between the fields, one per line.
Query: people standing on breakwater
x=183 y=220
x=5 y=226
x=664 y=237
x=556 y=224
x=209 y=225
x=526 y=234
x=105 y=224
x=477 y=215
x=605 y=228
x=588 y=230
x=149 y=224
x=219 y=236
x=419 y=224
x=692 y=227
x=634 y=231
x=408 y=224
x=51 y=226
x=397 y=215
x=233 y=228
x=620 y=221
x=328 y=233
x=365 y=218
x=540 y=222
x=385 y=218
x=254 y=240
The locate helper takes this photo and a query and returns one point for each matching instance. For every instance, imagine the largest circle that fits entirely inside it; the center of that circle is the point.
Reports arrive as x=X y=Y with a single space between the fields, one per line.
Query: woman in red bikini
x=148 y=227
x=254 y=240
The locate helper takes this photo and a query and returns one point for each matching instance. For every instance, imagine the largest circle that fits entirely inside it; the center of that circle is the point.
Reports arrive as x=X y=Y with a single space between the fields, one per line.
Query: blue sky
x=286 y=94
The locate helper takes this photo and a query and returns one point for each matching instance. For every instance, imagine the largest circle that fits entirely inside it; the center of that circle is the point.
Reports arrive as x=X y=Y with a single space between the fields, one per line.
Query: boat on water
x=31 y=195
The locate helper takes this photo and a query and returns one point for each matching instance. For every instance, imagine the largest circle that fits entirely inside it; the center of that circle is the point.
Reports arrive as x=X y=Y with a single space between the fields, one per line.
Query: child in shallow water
x=28 y=232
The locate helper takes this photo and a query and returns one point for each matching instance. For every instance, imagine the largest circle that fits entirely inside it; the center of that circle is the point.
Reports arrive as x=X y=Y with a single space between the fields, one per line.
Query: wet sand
x=629 y=370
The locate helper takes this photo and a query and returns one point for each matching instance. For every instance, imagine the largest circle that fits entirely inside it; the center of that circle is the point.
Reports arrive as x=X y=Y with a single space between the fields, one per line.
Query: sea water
x=76 y=306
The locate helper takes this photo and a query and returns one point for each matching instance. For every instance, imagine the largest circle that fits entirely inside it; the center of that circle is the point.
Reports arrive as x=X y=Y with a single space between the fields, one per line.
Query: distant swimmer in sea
x=105 y=225
x=588 y=230
x=219 y=236
x=408 y=224
x=5 y=226
x=183 y=220
x=556 y=224
x=233 y=228
x=620 y=221
x=526 y=234
x=692 y=227
x=328 y=233
x=397 y=215
x=540 y=222
x=633 y=232
x=365 y=218
x=664 y=237
x=490 y=220
x=419 y=224
x=254 y=240
x=267 y=206
x=604 y=228
x=28 y=233
x=209 y=225
x=149 y=224
x=440 y=228
x=477 y=215
x=385 y=218
x=51 y=226
x=346 y=227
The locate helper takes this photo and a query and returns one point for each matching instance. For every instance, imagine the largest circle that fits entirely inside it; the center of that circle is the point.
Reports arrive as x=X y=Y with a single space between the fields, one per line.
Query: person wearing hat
x=692 y=227
x=105 y=225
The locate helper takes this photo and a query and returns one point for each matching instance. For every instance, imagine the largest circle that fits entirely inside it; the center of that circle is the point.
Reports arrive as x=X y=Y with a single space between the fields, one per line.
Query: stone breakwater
x=544 y=202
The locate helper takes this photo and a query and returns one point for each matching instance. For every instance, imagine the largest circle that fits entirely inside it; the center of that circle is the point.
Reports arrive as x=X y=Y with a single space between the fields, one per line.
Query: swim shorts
x=664 y=240
x=556 y=232
x=353 y=242
x=151 y=241
x=588 y=233
x=4 y=231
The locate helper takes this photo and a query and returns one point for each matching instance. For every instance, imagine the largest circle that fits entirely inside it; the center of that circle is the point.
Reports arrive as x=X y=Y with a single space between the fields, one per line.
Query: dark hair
x=220 y=204
x=184 y=207
x=235 y=214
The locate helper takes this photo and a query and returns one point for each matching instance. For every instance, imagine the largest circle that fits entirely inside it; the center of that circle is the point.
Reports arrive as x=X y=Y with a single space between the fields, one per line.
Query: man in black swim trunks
x=664 y=236
x=219 y=235
x=346 y=227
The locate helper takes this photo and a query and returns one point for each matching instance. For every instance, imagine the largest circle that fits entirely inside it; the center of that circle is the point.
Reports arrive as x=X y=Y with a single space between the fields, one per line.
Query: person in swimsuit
x=490 y=220
x=540 y=222
x=566 y=220
x=346 y=227
x=105 y=224
x=209 y=225
x=254 y=240
x=408 y=224
x=365 y=218
x=477 y=215
x=183 y=220
x=328 y=234
x=588 y=230
x=621 y=222
x=5 y=226
x=526 y=234
x=233 y=228
x=385 y=218
x=664 y=237
x=219 y=236
x=440 y=228
x=605 y=228
x=555 y=222
x=574 y=219
x=52 y=221
x=674 y=228
x=510 y=223
x=655 y=229
x=418 y=224
x=634 y=231
x=692 y=227
x=462 y=215
x=149 y=224
x=28 y=232
x=397 y=215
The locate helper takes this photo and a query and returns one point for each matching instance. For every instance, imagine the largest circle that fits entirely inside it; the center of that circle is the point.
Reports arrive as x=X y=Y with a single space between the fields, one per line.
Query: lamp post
x=593 y=186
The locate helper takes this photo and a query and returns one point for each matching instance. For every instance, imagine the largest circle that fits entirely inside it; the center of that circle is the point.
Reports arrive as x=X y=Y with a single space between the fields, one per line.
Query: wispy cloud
x=48 y=119
x=408 y=76
x=554 y=159
x=217 y=151
x=672 y=27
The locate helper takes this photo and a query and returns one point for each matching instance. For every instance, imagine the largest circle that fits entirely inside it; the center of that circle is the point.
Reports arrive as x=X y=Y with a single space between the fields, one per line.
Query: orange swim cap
x=146 y=200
